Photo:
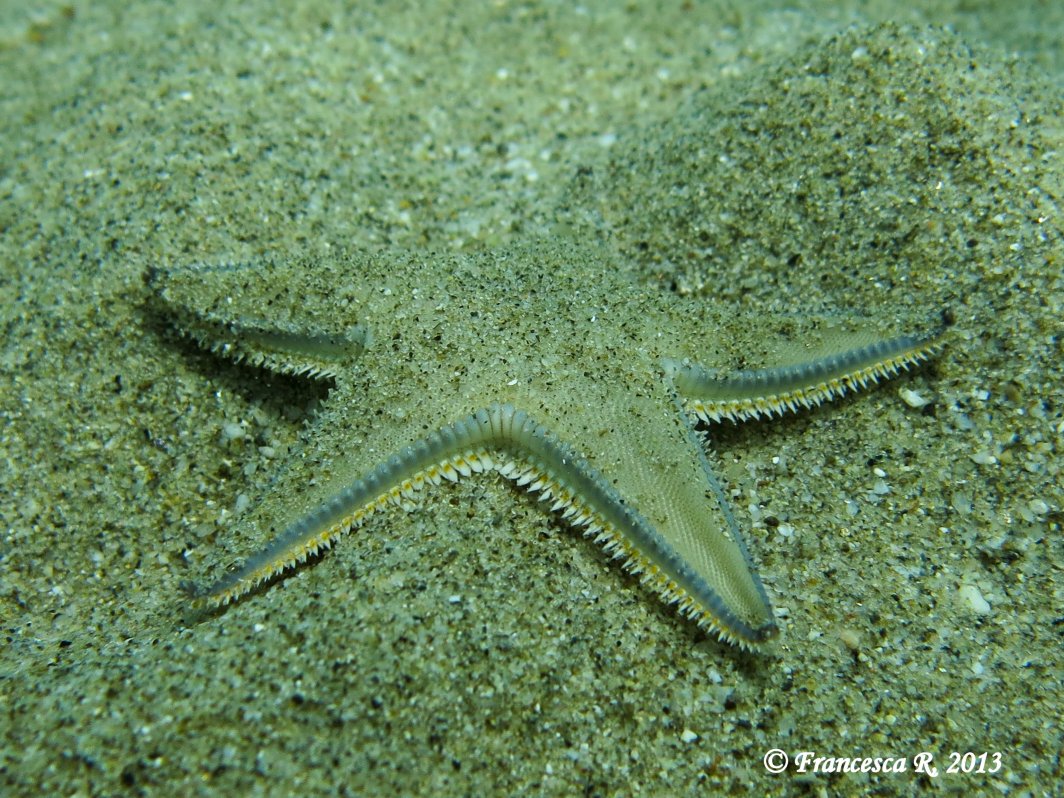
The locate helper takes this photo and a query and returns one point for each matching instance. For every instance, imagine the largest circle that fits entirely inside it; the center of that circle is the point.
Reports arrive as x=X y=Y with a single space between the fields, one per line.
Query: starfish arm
x=251 y=318
x=716 y=588
x=839 y=364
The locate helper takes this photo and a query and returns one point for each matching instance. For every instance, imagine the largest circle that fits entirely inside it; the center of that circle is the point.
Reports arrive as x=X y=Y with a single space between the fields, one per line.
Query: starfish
x=587 y=393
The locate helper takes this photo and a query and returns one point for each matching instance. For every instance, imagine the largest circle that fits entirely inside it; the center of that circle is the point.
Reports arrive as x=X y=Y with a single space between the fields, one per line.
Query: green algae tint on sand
x=793 y=166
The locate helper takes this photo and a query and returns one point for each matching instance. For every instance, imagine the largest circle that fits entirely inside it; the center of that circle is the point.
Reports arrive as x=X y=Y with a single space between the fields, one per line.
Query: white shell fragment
x=912 y=398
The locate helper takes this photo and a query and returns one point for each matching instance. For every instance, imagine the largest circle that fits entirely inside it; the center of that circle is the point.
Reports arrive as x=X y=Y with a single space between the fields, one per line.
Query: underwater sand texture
x=477 y=645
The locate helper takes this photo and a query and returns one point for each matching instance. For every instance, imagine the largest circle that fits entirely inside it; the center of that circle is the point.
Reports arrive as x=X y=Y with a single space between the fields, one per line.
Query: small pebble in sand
x=973 y=599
